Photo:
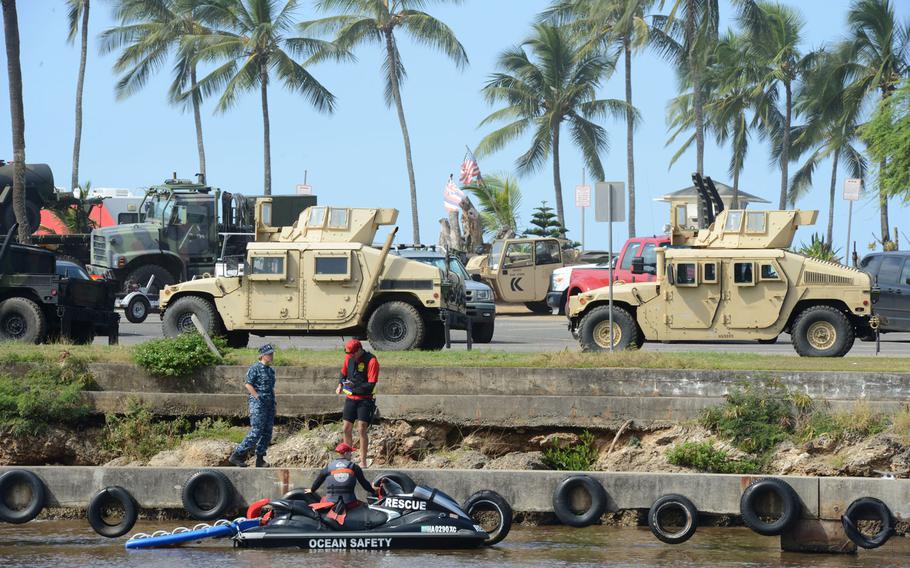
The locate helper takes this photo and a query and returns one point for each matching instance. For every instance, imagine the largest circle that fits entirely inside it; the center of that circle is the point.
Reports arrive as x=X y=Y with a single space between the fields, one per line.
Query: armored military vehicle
x=519 y=270
x=321 y=276
x=735 y=280
x=180 y=237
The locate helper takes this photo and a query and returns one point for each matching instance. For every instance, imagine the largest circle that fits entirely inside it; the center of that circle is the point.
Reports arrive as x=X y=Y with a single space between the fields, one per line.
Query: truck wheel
x=539 y=307
x=395 y=326
x=178 y=317
x=483 y=332
x=594 y=330
x=237 y=339
x=822 y=331
x=141 y=274
x=22 y=320
x=137 y=309
x=32 y=213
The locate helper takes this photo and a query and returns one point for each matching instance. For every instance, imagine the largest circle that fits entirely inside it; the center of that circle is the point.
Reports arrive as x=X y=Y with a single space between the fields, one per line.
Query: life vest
x=356 y=377
x=341 y=481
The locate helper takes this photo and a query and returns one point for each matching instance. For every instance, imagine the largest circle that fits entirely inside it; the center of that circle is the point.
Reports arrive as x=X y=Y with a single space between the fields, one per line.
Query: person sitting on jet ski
x=342 y=475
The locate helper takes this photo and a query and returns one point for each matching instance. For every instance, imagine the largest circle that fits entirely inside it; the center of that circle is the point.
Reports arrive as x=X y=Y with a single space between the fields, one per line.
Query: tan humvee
x=519 y=270
x=732 y=281
x=321 y=276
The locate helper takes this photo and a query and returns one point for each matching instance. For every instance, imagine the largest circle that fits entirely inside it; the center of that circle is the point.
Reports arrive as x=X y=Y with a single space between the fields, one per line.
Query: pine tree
x=545 y=223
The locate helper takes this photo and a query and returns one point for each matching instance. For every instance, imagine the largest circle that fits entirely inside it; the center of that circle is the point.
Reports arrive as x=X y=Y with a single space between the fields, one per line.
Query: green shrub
x=138 y=435
x=860 y=421
x=756 y=417
x=177 y=356
x=703 y=456
x=580 y=457
x=48 y=393
x=216 y=429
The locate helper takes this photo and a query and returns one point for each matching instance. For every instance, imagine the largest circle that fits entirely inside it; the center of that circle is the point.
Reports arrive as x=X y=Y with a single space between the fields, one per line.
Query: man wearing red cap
x=359 y=375
x=343 y=476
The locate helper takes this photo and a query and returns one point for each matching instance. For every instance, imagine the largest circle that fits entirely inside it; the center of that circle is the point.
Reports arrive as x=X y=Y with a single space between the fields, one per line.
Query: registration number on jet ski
x=343 y=543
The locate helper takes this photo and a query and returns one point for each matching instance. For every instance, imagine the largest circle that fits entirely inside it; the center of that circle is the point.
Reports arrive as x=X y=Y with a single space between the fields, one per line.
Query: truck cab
x=519 y=270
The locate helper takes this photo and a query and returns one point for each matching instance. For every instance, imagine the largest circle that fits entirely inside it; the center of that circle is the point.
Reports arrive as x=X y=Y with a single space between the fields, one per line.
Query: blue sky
x=355 y=157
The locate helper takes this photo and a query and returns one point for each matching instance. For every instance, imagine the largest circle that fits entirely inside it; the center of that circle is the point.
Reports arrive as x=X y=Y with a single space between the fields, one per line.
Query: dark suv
x=891 y=271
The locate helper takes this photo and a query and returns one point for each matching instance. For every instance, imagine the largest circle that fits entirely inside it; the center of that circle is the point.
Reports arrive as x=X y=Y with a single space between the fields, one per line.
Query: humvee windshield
x=495 y=253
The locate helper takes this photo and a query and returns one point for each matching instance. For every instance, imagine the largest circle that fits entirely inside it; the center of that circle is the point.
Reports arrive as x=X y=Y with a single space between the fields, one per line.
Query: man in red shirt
x=359 y=375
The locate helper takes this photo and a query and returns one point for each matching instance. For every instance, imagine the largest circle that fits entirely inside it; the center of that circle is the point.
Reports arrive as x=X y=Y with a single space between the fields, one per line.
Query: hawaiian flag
x=452 y=196
x=470 y=171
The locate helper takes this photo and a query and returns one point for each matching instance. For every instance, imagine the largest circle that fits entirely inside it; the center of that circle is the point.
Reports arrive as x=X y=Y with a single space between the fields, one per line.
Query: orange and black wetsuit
x=343 y=475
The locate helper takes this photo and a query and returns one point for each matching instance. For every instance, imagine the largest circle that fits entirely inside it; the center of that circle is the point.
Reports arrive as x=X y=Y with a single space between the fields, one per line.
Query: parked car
x=891 y=271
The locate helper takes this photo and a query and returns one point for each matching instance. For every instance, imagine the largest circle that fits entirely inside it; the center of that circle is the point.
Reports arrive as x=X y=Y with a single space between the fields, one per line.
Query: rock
x=822 y=444
x=306 y=448
x=53 y=445
x=875 y=453
x=462 y=458
x=495 y=443
x=788 y=460
x=555 y=440
x=123 y=461
x=436 y=434
x=194 y=453
x=665 y=437
x=518 y=461
x=415 y=445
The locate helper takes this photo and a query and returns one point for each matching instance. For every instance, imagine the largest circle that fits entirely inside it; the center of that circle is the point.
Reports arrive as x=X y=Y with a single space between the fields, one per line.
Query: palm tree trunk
x=696 y=100
x=734 y=201
x=197 y=117
x=630 y=154
x=77 y=142
x=829 y=235
x=882 y=198
x=785 y=145
x=396 y=94
x=557 y=184
x=266 y=144
x=17 y=115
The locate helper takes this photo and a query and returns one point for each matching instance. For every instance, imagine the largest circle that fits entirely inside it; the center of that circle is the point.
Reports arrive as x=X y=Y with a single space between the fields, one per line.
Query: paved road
x=523 y=331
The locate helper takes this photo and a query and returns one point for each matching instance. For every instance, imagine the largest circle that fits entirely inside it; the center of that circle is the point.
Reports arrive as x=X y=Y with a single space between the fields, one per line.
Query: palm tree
x=775 y=34
x=553 y=84
x=831 y=130
x=17 y=115
x=611 y=25
x=375 y=21
x=78 y=12
x=499 y=198
x=249 y=36
x=879 y=59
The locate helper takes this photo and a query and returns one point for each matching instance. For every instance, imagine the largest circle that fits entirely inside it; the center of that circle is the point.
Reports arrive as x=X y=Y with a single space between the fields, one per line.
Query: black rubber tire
x=141 y=274
x=844 y=332
x=300 y=494
x=540 y=307
x=224 y=498
x=669 y=502
x=435 y=337
x=790 y=510
x=396 y=326
x=35 y=505
x=137 y=309
x=103 y=499
x=177 y=316
x=589 y=327
x=493 y=500
x=483 y=332
x=861 y=509
x=562 y=501
x=22 y=320
x=32 y=213
x=404 y=480
x=237 y=339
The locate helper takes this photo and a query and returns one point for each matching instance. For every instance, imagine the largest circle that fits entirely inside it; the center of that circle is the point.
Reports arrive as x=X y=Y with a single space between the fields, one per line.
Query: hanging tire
x=790 y=506
x=863 y=509
x=396 y=326
x=404 y=480
x=178 y=317
x=102 y=502
x=679 y=504
x=822 y=331
x=207 y=495
x=22 y=320
x=141 y=275
x=137 y=309
x=483 y=332
x=10 y=512
x=490 y=502
x=567 y=513
x=594 y=330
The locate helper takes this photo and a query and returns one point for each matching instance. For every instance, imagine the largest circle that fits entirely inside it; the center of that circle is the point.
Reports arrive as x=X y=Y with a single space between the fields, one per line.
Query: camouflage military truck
x=321 y=276
x=519 y=270
x=180 y=235
x=39 y=193
x=733 y=281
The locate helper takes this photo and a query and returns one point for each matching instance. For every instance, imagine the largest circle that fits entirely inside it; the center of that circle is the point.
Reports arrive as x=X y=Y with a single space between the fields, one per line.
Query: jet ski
x=423 y=518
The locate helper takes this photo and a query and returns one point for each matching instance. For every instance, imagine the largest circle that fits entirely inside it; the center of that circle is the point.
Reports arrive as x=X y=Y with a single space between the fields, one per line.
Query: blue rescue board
x=172 y=539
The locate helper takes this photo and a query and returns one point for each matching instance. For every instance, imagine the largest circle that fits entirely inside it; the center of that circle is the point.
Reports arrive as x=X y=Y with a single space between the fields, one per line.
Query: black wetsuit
x=343 y=475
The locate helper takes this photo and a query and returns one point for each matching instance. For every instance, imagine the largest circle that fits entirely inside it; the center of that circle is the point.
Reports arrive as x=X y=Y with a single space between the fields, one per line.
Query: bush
x=177 y=356
x=757 y=417
x=703 y=456
x=861 y=421
x=138 y=435
x=580 y=457
x=48 y=393
x=217 y=429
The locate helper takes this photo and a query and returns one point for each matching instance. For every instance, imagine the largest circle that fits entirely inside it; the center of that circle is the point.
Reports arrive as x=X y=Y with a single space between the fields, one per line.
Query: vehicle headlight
x=483 y=295
x=558 y=282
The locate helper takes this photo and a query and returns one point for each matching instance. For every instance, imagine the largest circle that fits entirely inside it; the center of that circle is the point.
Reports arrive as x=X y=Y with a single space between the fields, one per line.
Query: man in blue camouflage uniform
x=260 y=383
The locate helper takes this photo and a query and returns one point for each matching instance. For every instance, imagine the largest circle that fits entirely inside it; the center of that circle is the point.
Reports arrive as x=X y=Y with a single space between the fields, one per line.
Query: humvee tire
x=540 y=307
x=22 y=320
x=141 y=274
x=237 y=339
x=396 y=326
x=482 y=332
x=177 y=317
x=822 y=331
x=594 y=330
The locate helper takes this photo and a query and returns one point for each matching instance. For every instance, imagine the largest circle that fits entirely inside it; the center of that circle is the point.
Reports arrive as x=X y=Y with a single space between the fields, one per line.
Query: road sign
x=304 y=189
x=852 y=188
x=610 y=201
x=582 y=196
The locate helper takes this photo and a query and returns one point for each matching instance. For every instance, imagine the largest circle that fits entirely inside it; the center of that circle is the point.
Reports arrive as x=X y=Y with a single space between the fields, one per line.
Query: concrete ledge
x=527 y=491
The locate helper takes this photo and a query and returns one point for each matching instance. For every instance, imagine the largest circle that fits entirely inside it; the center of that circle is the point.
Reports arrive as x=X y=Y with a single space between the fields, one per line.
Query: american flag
x=470 y=171
x=452 y=196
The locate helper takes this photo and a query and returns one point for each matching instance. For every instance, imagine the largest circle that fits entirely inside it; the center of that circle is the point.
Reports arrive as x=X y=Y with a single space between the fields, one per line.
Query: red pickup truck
x=571 y=280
